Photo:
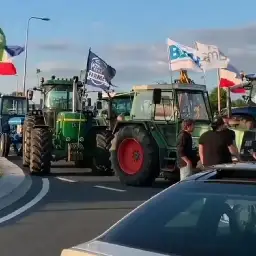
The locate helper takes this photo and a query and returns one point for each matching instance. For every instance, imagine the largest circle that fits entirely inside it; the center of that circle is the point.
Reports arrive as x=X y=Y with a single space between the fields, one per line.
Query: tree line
x=213 y=96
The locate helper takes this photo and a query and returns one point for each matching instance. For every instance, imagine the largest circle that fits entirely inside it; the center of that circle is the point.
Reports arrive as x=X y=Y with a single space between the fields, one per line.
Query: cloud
x=138 y=63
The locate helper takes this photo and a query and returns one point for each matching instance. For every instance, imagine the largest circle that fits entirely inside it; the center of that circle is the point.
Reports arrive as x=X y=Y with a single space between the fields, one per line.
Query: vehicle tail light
x=74 y=252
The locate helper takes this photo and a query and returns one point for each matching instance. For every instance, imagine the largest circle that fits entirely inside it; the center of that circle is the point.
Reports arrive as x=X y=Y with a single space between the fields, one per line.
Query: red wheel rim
x=130 y=156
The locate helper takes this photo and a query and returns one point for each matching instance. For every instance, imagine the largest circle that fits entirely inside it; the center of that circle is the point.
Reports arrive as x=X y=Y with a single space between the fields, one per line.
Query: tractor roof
x=13 y=96
x=60 y=81
x=117 y=94
x=169 y=87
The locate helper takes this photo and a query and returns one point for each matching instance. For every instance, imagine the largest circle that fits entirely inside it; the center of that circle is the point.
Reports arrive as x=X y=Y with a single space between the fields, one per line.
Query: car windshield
x=192 y=218
x=193 y=105
x=14 y=106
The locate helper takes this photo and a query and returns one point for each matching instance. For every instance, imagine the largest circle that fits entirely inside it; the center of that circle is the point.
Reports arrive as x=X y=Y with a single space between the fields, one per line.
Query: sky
x=129 y=35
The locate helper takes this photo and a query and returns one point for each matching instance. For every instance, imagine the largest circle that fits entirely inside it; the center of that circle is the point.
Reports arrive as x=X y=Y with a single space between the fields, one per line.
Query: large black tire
x=26 y=140
x=101 y=160
x=135 y=164
x=41 y=146
x=5 y=144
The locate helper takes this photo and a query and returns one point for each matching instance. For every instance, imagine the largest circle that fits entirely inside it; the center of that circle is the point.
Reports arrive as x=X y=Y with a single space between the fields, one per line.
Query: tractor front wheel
x=5 y=144
x=134 y=156
x=41 y=146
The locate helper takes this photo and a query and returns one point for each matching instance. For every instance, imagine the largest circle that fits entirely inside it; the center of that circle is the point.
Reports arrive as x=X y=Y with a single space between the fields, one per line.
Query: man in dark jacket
x=217 y=146
x=185 y=154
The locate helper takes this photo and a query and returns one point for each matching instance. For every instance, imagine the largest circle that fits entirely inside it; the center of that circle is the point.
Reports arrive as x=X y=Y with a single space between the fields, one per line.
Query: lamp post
x=26 y=50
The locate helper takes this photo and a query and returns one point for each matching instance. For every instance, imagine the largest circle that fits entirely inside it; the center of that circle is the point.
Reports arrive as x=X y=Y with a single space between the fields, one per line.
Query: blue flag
x=14 y=50
x=99 y=73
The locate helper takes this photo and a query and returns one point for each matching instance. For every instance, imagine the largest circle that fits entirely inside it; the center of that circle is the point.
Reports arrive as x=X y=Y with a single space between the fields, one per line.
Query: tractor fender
x=120 y=124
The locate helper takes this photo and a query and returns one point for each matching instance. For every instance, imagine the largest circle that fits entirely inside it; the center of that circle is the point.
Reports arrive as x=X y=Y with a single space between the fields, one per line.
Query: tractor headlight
x=81 y=139
x=68 y=139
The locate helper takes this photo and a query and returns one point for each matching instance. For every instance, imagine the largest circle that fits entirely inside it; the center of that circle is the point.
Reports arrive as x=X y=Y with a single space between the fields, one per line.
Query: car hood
x=96 y=247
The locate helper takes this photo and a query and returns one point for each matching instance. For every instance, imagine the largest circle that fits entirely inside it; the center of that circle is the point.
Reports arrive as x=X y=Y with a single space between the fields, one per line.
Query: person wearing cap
x=186 y=158
x=216 y=146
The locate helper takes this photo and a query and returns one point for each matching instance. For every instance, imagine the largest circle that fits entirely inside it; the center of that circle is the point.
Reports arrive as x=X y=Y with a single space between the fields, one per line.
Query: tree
x=223 y=95
x=214 y=99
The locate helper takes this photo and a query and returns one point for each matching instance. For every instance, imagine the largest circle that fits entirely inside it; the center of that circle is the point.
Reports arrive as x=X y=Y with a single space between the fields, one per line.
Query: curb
x=13 y=183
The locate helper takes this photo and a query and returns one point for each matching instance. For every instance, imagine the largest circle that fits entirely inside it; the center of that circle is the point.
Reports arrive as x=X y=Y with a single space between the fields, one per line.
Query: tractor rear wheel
x=134 y=157
x=41 y=146
x=5 y=144
x=101 y=160
x=26 y=140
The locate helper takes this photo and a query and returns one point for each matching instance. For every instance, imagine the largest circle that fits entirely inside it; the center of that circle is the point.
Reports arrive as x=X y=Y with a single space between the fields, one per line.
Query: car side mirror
x=99 y=105
x=157 y=95
x=30 y=94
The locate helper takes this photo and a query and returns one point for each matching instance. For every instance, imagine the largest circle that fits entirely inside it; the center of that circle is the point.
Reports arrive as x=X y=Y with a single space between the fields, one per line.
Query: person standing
x=217 y=145
x=185 y=155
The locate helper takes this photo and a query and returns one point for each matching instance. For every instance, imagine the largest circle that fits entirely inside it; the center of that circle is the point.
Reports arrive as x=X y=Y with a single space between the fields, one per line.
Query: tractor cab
x=57 y=96
x=12 y=111
x=168 y=104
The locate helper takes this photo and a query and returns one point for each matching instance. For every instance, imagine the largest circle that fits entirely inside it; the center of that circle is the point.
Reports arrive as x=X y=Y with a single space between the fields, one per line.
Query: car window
x=192 y=218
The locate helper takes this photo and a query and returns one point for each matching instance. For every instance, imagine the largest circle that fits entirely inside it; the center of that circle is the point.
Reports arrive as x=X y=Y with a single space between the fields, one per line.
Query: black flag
x=99 y=73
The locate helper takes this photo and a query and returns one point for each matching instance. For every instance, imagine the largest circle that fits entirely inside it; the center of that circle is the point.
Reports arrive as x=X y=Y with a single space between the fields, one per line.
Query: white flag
x=211 y=57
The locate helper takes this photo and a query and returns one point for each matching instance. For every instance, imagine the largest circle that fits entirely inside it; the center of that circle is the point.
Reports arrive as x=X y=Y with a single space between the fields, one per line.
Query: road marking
x=67 y=180
x=108 y=188
x=39 y=197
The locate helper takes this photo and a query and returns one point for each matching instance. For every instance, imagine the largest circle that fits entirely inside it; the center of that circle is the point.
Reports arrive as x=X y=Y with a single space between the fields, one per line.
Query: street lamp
x=26 y=50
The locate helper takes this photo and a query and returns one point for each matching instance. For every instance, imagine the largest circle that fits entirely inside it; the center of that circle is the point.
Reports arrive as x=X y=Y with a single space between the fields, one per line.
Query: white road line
x=108 y=188
x=67 y=180
x=39 y=197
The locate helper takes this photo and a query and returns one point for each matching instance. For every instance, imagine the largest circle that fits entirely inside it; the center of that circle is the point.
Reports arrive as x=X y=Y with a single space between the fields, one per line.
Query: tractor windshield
x=120 y=105
x=14 y=106
x=59 y=99
x=193 y=105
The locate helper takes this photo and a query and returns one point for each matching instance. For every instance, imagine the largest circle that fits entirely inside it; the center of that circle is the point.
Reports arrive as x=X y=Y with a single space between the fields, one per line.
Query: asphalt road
x=76 y=208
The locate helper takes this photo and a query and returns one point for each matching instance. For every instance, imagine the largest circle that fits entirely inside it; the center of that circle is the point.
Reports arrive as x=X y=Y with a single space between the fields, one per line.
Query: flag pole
x=219 y=95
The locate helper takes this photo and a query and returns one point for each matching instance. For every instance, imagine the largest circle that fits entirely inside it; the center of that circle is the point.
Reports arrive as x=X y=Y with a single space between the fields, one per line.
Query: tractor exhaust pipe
x=74 y=100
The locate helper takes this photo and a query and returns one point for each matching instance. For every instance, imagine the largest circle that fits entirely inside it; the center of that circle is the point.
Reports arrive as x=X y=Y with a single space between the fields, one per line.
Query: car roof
x=239 y=171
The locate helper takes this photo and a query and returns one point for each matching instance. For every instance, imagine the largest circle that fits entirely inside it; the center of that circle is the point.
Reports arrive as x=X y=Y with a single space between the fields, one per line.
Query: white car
x=211 y=213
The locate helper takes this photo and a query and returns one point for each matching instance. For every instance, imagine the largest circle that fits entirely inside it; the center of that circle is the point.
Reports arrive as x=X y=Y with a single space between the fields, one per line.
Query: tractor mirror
x=30 y=94
x=89 y=102
x=99 y=95
x=99 y=105
x=157 y=95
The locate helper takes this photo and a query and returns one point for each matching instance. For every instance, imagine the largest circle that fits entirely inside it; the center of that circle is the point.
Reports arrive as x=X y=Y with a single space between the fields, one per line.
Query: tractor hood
x=18 y=120
x=244 y=110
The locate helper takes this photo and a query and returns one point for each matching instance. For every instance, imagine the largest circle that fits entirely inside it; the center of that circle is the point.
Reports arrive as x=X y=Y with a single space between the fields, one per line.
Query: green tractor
x=121 y=105
x=63 y=130
x=145 y=146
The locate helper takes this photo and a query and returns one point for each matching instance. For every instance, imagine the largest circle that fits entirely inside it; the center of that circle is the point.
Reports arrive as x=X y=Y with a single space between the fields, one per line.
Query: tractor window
x=166 y=110
x=142 y=105
x=122 y=106
x=14 y=106
x=59 y=99
x=192 y=105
